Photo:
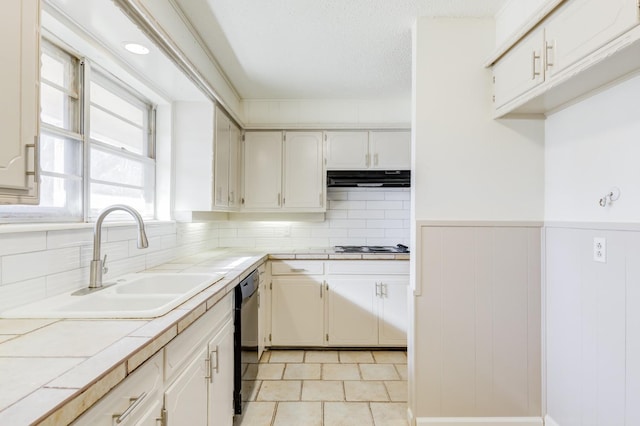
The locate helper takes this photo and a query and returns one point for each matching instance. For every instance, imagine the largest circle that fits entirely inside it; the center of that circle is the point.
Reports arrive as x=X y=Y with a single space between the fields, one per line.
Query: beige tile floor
x=327 y=388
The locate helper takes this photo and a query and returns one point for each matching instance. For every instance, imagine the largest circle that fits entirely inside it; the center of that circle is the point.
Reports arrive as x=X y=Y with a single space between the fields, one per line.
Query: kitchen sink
x=144 y=295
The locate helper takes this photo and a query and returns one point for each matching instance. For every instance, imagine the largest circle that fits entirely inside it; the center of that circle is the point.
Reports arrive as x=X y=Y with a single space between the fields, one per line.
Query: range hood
x=369 y=178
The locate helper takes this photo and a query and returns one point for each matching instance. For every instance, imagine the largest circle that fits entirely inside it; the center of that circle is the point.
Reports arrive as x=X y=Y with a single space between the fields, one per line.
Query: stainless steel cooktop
x=399 y=248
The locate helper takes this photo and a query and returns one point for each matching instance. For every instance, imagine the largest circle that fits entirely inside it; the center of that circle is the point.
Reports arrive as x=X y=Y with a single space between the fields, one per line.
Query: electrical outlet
x=600 y=250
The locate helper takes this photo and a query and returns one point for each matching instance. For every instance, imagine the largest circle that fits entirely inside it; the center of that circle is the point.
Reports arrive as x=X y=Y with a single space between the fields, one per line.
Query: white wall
x=593 y=376
x=327 y=113
x=591 y=147
x=468 y=166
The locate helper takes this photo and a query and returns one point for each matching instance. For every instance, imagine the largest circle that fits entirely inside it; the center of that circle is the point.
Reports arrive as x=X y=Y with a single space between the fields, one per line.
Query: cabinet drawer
x=145 y=384
x=367 y=267
x=179 y=350
x=297 y=267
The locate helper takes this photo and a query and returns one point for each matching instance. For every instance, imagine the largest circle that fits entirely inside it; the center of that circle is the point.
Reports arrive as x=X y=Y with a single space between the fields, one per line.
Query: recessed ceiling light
x=136 y=48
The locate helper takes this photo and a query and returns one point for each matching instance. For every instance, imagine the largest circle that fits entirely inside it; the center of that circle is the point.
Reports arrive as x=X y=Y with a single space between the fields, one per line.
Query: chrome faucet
x=98 y=264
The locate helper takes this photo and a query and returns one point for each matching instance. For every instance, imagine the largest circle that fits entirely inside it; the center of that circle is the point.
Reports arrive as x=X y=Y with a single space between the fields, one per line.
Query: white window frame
x=83 y=73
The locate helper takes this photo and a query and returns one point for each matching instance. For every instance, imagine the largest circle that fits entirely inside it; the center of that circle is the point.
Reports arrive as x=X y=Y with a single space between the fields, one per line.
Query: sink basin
x=144 y=295
x=161 y=283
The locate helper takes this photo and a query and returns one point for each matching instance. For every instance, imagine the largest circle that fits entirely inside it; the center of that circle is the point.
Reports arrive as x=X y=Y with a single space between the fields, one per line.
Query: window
x=121 y=160
x=83 y=173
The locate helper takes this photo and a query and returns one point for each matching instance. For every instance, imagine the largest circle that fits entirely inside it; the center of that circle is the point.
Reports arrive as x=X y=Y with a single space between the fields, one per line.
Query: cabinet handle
x=321 y=286
x=548 y=48
x=209 y=366
x=534 y=73
x=133 y=404
x=297 y=270
x=279 y=197
x=377 y=289
x=36 y=159
x=383 y=290
x=231 y=197
x=367 y=157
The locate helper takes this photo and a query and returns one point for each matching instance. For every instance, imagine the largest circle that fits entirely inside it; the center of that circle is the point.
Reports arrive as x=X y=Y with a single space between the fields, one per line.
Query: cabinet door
x=520 y=70
x=262 y=170
x=352 y=312
x=390 y=150
x=393 y=308
x=220 y=411
x=152 y=416
x=297 y=311
x=19 y=104
x=347 y=150
x=582 y=26
x=234 y=168
x=221 y=160
x=303 y=171
x=186 y=398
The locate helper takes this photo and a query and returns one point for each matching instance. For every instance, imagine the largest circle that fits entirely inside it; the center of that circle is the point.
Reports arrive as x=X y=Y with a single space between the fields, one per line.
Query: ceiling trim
x=198 y=37
x=146 y=22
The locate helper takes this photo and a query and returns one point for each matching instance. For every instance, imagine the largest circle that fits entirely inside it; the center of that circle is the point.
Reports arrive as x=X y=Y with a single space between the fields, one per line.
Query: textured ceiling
x=294 y=49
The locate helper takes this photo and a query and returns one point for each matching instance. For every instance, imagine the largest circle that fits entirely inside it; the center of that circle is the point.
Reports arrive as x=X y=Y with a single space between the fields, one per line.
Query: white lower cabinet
x=199 y=370
x=393 y=318
x=297 y=307
x=339 y=303
x=202 y=394
x=367 y=311
x=220 y=378
x=352 y=312
x=137 y=400
x=188 y=382
x=186 y=398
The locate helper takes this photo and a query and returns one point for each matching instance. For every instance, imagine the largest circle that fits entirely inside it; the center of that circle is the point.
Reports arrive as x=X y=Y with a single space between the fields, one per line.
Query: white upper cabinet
x=206 y=158
x=19 y=104
x=390 y=150
x=304 y=177
x=520 y=70
x=226 y=166
x=262 y=171
x=579 y=47
x=347 y=150
x=582 y=26
x=380 y=150
x=283 y=172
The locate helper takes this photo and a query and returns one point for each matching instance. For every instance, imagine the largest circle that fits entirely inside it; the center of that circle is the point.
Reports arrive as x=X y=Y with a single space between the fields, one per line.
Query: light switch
x=600 y=250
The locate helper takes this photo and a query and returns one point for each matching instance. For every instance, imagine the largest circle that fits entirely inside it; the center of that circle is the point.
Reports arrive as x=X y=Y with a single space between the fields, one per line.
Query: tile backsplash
x=355 y=216
x=39 y=264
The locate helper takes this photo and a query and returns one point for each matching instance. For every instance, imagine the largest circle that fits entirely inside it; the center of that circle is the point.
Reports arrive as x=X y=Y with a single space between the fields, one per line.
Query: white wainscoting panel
x=592 y=327
x=477 y=322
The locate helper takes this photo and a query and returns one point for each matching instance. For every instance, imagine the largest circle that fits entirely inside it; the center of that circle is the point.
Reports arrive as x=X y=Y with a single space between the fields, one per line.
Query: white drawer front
x=297 y=267
x=367 y=267
x=145 y=383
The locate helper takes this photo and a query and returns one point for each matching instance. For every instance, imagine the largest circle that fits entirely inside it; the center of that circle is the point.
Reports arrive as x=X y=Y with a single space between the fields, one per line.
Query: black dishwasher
x=245 y=339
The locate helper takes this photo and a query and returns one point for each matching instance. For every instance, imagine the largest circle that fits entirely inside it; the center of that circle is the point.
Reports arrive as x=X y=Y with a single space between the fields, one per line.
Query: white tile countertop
x=58 y=368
